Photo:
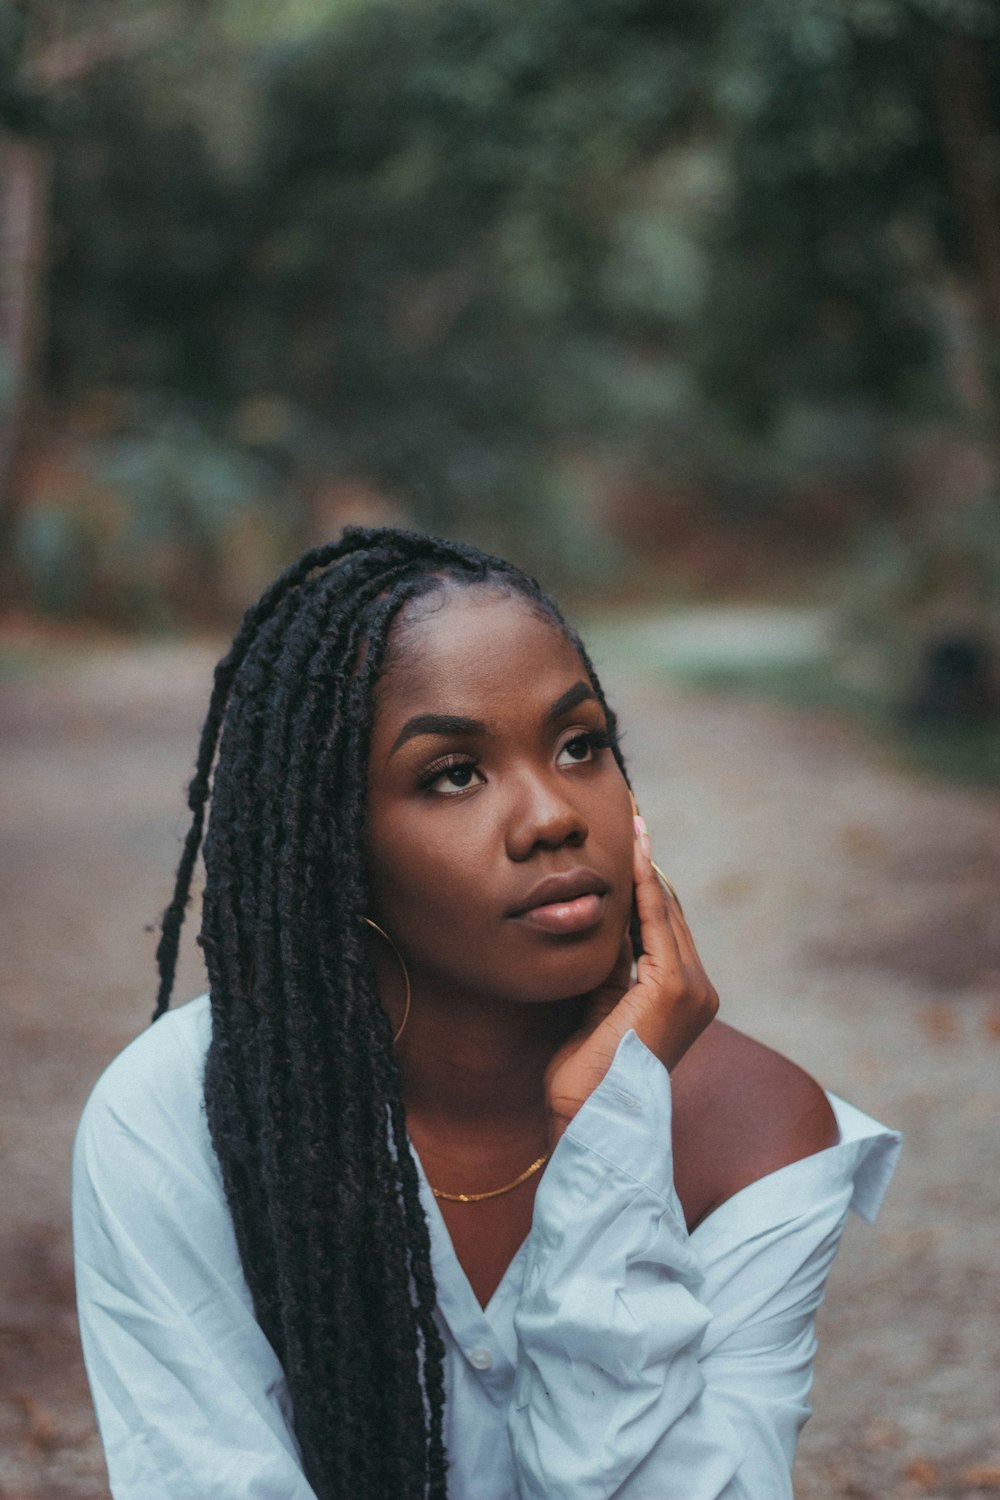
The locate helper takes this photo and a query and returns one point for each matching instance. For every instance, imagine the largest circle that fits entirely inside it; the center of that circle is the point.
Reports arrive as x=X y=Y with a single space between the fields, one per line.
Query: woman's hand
x=668 y=1006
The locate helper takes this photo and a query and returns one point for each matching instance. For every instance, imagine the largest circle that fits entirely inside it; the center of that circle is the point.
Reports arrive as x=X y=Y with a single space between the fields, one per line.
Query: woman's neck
x=481 y=1064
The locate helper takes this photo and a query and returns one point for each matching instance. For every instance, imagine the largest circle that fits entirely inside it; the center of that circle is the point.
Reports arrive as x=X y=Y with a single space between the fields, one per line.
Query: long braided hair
x=302 y=1091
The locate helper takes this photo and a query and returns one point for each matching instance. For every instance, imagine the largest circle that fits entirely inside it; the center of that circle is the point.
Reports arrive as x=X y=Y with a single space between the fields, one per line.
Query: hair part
x=302 y=1090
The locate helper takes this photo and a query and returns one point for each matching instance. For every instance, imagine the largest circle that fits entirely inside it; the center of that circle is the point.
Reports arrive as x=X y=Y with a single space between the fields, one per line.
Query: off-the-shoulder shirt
x=620 y=1356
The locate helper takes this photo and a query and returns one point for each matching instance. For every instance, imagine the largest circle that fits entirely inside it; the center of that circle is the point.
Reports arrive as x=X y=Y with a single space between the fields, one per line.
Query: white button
x=480 y=1359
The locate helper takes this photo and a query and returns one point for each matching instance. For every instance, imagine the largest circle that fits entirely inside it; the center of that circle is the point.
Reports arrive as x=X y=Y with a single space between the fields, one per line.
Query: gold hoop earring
x=406 y=976
x=657 y=871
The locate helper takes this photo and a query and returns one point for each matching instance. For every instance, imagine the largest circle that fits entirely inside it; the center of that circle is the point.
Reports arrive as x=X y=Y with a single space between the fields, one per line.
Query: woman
x=436 y=1195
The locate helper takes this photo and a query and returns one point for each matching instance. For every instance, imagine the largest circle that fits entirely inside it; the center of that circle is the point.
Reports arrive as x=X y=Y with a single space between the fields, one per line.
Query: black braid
x=302 y=1091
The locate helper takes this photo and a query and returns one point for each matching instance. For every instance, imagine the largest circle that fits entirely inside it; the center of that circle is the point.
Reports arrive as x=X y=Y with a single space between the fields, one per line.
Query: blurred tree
x=437 y=189
x=858 y=264
x=472 y=248
x=23 y=210
x=409 y=248
x=43 y=49
x=863 y=140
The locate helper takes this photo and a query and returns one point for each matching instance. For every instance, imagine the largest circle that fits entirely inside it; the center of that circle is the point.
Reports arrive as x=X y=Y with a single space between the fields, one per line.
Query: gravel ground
x=845 y=908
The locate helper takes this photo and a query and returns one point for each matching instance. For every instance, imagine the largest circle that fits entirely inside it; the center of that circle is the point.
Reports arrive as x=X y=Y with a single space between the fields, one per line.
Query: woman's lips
x=564 y=902
x=565 y=917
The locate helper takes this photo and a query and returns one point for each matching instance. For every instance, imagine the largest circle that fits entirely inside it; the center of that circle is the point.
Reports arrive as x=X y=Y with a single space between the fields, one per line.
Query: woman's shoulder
x=158 y=1270
x=742 y=1112
x=150 y=1095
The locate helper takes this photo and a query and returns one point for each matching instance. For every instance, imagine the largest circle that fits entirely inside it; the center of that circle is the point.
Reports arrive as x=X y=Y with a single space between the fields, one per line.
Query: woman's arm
x=624 y=1388
x=190 y=1397
x=648 y=1368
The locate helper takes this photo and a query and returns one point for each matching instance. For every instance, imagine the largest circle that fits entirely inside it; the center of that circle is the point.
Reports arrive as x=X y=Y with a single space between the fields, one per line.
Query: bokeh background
x=692 y=307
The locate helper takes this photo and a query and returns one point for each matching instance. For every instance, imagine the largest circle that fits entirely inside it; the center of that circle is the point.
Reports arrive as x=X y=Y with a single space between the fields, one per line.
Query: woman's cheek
x=433 y=882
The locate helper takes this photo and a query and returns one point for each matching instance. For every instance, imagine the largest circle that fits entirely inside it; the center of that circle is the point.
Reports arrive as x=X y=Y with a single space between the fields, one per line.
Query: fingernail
x=642 y=834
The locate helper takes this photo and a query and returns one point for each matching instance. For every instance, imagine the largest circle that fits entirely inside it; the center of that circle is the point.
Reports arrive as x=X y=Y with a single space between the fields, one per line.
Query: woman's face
x=500 y=829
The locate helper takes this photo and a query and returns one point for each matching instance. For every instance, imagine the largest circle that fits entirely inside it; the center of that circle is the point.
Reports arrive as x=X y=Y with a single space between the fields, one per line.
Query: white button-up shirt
x=619 y=1357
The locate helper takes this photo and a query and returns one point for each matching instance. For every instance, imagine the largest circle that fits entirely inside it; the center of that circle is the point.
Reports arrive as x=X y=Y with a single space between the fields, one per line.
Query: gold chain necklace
x=493 y=1192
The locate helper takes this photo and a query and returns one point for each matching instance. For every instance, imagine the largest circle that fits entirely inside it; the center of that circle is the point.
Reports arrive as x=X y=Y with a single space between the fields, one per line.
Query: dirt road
x=846 y=909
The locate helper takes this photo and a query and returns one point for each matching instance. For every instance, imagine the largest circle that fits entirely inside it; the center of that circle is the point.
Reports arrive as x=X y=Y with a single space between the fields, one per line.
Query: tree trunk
x=25 y=169
x=971 y=130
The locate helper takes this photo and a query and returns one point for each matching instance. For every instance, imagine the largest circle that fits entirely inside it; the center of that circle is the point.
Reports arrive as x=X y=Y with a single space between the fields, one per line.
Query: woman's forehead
x=463 y=641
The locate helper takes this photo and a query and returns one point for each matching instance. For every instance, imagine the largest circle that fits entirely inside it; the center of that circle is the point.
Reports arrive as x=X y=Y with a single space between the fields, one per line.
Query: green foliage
x=148 y=238
x=966 y=754
x=162 y=520
x=843 y=217
x=22 y=110
x=937 y=567
x=416 y=252
x=798 y=670
x=277 y=21
x=431 y=213
x=489 y=248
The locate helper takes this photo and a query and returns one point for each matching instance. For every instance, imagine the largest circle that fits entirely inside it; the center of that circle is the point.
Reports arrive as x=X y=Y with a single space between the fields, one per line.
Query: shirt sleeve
x=652 y=1364
x=190 y=1397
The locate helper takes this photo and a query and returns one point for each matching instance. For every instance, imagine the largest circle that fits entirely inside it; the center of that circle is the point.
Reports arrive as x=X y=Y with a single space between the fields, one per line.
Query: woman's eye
x=454 y=778
x=580 y=748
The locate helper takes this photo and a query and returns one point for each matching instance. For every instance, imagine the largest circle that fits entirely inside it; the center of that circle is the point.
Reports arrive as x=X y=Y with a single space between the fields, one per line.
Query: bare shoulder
x=741 y=1111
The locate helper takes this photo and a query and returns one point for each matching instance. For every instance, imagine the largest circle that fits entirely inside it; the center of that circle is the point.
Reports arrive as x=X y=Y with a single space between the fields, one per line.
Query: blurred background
x=673 y=302
x=692 y=307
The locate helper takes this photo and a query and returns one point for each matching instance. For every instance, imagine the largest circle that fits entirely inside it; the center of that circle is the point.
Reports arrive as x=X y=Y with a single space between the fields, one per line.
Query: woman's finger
x=666 y=935
x=660 y=946
x=669 y=897
x=678 y=922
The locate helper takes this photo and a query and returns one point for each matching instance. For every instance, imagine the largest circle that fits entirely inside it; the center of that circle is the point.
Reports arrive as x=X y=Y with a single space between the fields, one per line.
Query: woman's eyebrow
x=444 y=724
x=452 y=724
x=580 y=692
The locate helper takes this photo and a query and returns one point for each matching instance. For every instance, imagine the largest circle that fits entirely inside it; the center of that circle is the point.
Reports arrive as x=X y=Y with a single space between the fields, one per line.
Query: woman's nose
x=543 y=816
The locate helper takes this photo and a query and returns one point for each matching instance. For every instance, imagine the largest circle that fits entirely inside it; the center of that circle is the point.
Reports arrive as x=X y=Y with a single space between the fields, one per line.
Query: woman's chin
x=575 y=980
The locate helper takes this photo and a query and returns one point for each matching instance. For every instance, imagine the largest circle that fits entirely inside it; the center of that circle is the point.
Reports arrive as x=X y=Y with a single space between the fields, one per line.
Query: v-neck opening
x=443 y=1234
x=856 y=1131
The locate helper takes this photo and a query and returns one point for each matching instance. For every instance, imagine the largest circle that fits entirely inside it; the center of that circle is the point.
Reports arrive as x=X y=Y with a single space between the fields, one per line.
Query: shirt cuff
x=623 y=1130
x=627 y=1117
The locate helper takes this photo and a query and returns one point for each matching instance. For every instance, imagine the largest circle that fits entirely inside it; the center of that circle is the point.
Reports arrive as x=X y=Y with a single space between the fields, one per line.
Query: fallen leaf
x=881 y=1434
x=938 y=1022
x=981 y=1477
x=922 y=1472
